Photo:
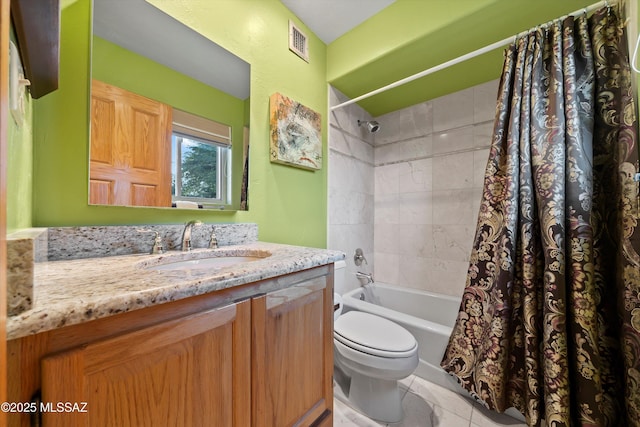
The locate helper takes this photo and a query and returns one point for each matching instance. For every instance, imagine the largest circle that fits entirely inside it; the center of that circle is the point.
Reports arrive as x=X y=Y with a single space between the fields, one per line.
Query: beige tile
x=483 y=417
x=453 y=171
x=387 y=179
x=483 y=134
x=389 y=128
x=359 y=208
x=444 y=418
x=387 y=153
x=362 y=177
x=346 y=119
x=405 y=150
x=414 y=272
x=453 y=110
x=386 y=267
x=350 y=145
x=485 y=98
x=448 y=277
x=420 y=413
x=344 y=415
x=476 y=198
x=415 y=208
x=453 y=242
x=411 y=122
x=480 y=158
x=417 y=147
x=349 y=237
x=443 y=397
x=337 y=140
x=337 y=200
x=350 y=174
x=417 y=412
x=415 y=240
x=417 y=120
x=387 y=239
x=386 y=209
x=454 y=207
x=453 y=140
x=405 y=384
x=415 y=176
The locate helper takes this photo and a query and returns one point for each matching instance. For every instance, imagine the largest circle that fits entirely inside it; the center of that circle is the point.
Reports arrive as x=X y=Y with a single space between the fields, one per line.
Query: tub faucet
x=186 y=235
x=364 y=276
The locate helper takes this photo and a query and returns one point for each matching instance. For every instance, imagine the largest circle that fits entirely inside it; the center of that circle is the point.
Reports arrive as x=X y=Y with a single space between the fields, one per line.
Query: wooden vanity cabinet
x=292 y=356
x=255 y=355
x=191 y=371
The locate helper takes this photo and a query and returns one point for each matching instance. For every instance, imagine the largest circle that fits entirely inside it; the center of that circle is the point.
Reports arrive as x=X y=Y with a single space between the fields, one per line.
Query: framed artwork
x=296 y=138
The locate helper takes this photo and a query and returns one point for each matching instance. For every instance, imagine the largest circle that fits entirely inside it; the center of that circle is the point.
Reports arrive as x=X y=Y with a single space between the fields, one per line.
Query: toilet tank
x=339 y=276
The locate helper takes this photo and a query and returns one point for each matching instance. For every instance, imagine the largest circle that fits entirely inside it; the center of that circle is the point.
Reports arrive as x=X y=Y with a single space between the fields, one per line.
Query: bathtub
x=428 y=316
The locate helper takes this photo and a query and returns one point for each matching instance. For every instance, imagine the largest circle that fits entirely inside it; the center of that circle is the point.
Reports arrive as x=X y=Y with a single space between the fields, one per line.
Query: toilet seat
x=374 y=335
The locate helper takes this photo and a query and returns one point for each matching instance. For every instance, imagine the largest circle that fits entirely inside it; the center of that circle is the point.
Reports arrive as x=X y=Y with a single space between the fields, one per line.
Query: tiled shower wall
x=429 y=166
x=351 y=186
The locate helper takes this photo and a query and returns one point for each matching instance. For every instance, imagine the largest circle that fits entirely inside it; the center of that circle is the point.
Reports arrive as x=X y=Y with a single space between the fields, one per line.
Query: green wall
x=288 y=204
x=128 y=70
x=20 y=168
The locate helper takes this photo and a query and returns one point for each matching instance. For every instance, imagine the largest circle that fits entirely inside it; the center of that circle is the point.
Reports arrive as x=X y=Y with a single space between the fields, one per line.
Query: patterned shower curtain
x=550 y=317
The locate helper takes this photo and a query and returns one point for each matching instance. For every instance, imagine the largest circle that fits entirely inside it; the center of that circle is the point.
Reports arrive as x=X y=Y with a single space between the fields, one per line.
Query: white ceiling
x=329 y=19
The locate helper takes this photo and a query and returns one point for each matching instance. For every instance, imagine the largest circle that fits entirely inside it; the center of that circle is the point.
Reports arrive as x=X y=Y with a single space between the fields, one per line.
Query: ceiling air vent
x=298 y=42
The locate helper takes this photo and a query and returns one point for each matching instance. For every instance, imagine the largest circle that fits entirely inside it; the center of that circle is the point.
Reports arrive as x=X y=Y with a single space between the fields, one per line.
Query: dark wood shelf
x=37 y=25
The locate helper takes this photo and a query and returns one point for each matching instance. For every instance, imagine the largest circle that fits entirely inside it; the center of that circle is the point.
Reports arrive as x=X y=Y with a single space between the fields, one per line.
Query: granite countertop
x=77 y=291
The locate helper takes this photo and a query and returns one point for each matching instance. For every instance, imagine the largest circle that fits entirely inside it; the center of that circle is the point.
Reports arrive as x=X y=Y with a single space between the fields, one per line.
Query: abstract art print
x=296 y=138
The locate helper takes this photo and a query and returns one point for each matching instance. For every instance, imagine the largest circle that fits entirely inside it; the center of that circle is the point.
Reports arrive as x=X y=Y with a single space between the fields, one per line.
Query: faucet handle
x=213 y=243
x=359 y=257
x=157 y=248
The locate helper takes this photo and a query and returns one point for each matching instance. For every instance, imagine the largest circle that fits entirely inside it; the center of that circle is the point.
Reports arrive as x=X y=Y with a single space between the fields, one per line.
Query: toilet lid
x=373 y=332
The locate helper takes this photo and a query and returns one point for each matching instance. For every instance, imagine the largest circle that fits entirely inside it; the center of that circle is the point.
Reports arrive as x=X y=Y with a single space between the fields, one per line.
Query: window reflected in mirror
x=198 y=171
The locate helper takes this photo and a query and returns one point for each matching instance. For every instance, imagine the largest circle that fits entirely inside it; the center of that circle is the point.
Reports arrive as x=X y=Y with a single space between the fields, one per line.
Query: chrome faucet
x=364 y=276
x=186 y=235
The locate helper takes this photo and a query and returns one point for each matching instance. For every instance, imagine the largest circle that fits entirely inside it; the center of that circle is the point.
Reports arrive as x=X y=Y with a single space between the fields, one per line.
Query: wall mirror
x=169 y=113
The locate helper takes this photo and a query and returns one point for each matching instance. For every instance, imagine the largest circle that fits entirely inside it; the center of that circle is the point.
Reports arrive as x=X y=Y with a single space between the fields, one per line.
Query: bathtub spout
x=364 y=278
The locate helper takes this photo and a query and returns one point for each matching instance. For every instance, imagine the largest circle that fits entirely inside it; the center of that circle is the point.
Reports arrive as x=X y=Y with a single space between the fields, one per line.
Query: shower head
x=372 y=126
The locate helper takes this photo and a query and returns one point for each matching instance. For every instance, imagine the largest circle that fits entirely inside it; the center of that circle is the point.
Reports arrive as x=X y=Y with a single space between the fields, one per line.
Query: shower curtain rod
x=460 y=59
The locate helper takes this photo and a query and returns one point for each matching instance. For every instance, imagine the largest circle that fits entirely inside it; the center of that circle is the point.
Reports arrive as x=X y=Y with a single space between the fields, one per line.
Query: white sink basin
x=210 y=263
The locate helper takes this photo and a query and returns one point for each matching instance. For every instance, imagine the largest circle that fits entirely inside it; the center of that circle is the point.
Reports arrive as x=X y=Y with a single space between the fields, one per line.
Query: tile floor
x=429 y=405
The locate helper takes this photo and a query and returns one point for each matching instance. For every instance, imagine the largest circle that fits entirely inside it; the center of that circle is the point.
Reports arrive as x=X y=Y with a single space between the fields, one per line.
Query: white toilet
x=371 y=354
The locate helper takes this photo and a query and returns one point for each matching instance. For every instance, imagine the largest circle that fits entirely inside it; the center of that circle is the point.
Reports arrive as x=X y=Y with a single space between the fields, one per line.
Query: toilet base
x=376 y=398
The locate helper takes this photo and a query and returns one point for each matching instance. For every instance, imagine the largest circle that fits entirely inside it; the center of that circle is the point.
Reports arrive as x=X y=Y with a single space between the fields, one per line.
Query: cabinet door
x=192 y=371
x=293 y=355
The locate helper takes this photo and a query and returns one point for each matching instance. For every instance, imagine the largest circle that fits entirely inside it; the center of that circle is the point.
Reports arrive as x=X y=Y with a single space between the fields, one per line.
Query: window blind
x=200 y=127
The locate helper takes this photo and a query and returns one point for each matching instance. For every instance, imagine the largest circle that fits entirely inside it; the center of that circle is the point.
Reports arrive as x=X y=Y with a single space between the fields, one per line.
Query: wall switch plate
x=17 y=85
